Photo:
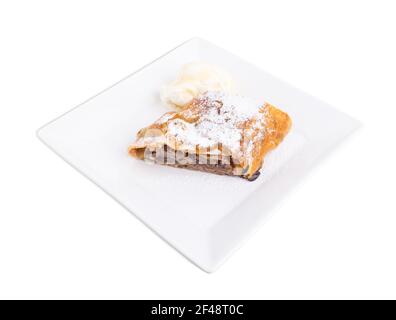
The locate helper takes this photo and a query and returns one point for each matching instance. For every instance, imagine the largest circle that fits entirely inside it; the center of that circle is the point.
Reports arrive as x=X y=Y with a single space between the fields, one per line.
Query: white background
x=62 y=237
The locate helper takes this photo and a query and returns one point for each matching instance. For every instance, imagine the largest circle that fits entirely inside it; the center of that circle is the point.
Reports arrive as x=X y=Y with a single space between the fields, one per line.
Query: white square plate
x=204 y=216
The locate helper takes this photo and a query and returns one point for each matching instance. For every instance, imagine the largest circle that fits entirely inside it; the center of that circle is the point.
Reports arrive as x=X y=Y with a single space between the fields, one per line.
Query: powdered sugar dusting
x=222 y=120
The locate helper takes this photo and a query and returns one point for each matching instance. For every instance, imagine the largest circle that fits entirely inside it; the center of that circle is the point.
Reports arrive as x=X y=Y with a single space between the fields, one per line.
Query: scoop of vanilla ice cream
x=192 y=80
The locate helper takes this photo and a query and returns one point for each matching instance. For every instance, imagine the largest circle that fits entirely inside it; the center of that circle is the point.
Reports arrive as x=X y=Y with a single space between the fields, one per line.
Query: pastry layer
x=232 y=133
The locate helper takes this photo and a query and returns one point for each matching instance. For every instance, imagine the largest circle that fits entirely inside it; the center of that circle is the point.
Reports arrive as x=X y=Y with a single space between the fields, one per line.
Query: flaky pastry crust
x=212 y=128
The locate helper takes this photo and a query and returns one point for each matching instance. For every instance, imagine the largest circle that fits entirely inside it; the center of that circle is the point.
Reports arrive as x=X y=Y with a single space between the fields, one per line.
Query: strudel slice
x=217 y=133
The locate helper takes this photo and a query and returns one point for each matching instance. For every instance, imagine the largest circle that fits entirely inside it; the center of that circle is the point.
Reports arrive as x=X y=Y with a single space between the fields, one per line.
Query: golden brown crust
x=277 y=125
